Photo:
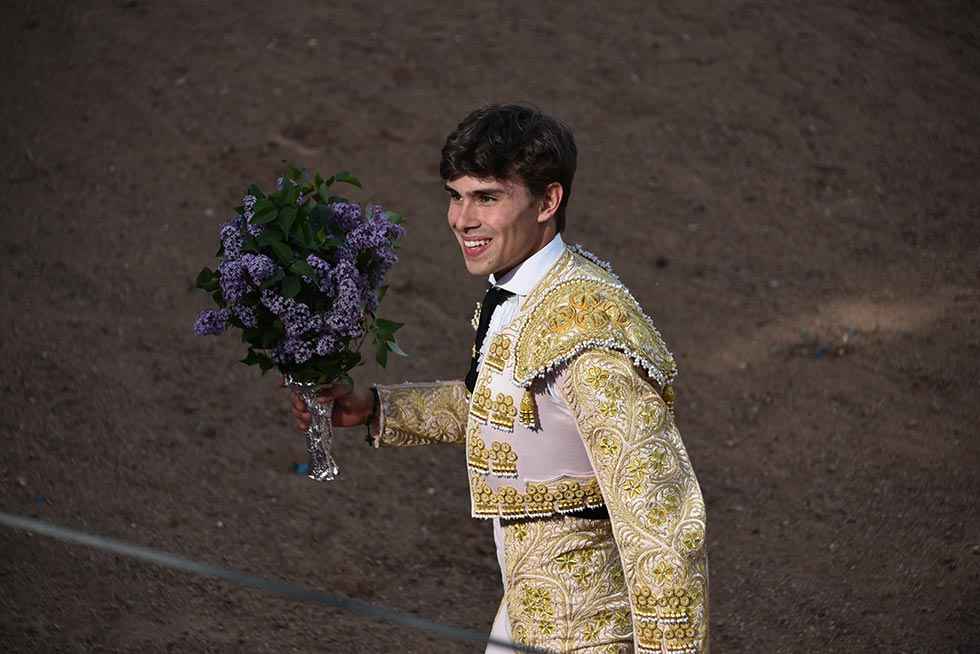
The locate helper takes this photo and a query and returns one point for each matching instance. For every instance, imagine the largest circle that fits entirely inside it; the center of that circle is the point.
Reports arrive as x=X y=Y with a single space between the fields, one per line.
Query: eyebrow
x=483 y=190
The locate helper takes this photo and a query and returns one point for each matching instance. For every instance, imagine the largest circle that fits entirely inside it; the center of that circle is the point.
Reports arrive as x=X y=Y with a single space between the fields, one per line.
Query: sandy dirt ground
x=792 y=191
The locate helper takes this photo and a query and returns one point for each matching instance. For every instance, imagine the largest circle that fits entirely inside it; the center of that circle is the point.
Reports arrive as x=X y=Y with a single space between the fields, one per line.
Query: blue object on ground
x=301 y=468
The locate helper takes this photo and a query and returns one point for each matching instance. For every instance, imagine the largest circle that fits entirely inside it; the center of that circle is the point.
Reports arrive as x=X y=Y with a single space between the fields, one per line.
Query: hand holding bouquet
x=300 y=272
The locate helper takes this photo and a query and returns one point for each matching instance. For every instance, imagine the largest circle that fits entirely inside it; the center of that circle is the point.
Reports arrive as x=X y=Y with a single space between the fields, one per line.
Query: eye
x=487 y=199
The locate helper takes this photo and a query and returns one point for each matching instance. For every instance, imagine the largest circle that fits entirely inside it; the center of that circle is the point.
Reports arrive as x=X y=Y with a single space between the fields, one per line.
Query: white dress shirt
x=520 y=280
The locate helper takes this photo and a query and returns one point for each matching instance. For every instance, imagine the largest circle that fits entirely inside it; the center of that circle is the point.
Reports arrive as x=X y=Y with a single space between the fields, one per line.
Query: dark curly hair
x=508 y=141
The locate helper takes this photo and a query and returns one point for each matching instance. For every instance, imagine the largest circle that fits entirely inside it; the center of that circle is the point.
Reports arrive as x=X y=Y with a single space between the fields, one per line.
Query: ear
x=550 y=201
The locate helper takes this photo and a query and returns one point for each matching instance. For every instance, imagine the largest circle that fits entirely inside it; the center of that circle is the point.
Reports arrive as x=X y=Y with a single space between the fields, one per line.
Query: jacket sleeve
x=420 y=413
x=652 y=495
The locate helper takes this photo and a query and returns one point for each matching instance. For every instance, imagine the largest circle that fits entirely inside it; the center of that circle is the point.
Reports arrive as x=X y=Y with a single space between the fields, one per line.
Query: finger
x=333 y=391
x=298 y=402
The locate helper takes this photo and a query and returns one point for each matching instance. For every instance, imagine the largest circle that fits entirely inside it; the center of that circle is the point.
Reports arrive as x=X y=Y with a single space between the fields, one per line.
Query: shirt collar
x=525 y=276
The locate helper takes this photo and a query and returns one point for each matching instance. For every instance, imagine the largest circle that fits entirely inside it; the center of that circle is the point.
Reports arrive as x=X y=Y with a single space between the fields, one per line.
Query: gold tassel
x=529 y=410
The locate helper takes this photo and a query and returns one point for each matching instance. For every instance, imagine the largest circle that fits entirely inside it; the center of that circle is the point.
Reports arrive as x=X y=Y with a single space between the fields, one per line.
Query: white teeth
x=475 y=244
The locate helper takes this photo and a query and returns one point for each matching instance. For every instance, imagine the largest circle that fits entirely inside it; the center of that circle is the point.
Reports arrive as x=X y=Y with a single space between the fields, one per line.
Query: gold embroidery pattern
x=538 y=499
x=481 y=403
x=654 y=501
x=498 y=352
x=581 y=312
x=502 y=460
x=565 y=588
x=503 y=412
x=476 y=455
x=475 y=321
x=419 y=414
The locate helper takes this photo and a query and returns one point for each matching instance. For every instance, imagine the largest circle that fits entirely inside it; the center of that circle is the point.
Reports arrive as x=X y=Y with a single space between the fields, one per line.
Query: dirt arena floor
x=792 y=191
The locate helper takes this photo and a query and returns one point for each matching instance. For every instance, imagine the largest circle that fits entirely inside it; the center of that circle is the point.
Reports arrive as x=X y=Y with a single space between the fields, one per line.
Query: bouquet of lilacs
x=300 y=272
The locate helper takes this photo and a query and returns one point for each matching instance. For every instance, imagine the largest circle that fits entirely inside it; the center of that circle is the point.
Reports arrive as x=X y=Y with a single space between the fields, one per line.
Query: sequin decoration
x=481 y=403
x=477 y=458
x=502 y=459
x=498 y=352
x=538 y=499
x=503 y=412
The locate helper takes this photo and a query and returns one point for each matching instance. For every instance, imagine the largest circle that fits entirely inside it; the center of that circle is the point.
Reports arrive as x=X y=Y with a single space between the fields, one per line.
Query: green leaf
x=393 y=217
x=265 y=363
x=300 y=267
x=269 y=236
x=250 y=245
x=204 y=278
x=251 y=358
x=306 y=236
x=381 y=355
x=283 y=252
x=265 y=212
x=272 y=281
x=381 y=293
x=322 y=191
x=218 y=298
x=252 y=336
x=348 y=178
x=287 y=215
x=255 y=191
x=387 y=327
x=290 y=196
x=291 y=286
x=394 y=347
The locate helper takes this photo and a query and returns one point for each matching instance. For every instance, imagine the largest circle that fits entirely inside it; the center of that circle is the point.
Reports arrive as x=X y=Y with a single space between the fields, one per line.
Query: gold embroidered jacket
x=609 y=439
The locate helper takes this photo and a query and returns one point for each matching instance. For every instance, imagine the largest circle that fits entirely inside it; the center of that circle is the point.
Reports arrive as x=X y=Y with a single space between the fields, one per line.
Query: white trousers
x=501 y=625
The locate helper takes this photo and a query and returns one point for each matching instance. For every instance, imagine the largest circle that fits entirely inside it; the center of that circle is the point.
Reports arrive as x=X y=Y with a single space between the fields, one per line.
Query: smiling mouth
x=475 y=247
x=472 y=245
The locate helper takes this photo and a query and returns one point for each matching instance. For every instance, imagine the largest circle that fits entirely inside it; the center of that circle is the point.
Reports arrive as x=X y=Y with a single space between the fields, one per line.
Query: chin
x=477 y=268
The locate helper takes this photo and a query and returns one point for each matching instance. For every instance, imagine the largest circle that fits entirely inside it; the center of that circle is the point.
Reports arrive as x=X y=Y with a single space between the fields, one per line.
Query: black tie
x=494 y=296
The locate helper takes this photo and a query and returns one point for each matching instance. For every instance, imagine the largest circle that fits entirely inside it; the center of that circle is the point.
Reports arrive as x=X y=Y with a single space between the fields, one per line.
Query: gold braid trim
x=546 y=498
x=653 y=497
x=582 y=312
x=422 y=413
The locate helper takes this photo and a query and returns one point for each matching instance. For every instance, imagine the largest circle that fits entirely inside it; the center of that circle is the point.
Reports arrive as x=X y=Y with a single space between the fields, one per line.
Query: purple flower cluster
x=346 y=216
x=345 y=316
x=324 y=280
x=211 y=322
x=326 y=344
x=246 y=314
x=297 y=318
x=259 y=267
x=233 y=283
x=299 y=321
x=231 y=237
x=348 y=282
x=292 y=349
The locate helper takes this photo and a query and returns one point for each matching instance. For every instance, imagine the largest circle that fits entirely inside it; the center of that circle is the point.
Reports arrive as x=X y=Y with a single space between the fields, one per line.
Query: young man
x=566 y=413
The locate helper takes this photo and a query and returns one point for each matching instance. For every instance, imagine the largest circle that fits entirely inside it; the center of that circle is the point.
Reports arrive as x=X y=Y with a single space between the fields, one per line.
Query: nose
x=462 y=216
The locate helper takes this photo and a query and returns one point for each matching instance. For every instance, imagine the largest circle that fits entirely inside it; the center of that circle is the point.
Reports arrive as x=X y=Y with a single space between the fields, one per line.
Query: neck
x=548 y=233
